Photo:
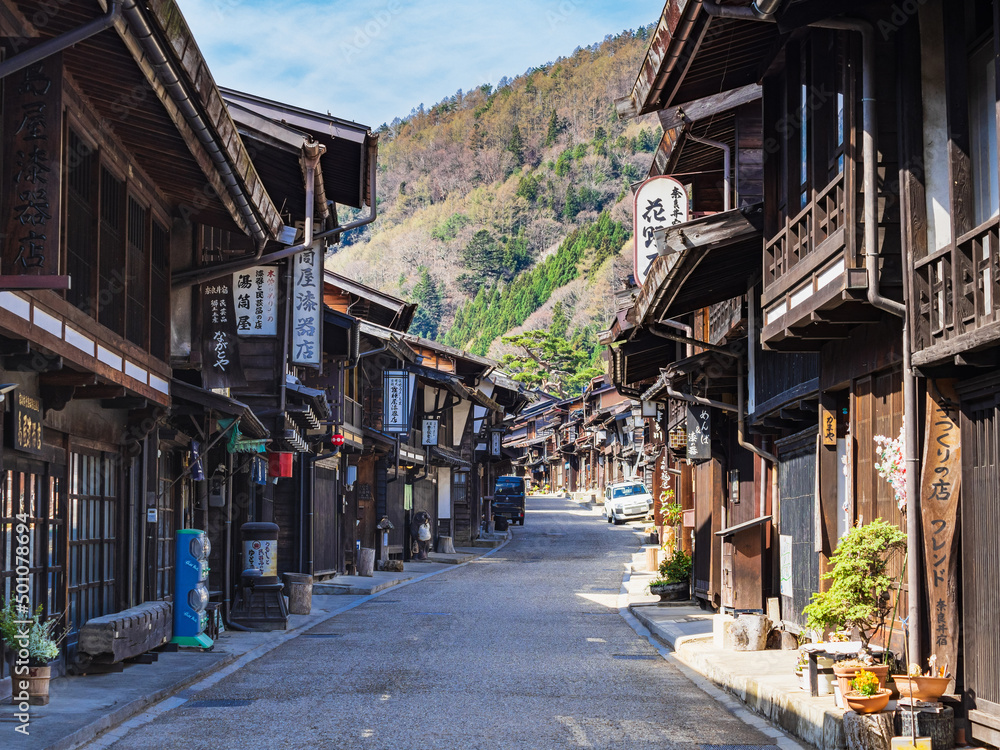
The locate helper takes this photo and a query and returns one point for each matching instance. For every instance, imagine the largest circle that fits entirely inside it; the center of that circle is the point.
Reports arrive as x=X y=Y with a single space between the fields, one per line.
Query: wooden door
x=980 y=557
x=707 y=546
x=326 y=545
x=797 y=525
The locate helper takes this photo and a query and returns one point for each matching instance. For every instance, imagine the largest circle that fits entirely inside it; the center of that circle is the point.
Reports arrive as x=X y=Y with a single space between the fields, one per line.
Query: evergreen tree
x=516 y=145
x=560 y=323
x=552 y=131
x=426 y=294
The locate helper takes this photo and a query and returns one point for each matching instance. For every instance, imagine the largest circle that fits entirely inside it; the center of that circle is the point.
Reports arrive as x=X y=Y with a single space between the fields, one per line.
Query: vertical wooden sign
x=220 y=364
x=939 y=495
x=828 y=426
x=699 y=433
x=32 y=126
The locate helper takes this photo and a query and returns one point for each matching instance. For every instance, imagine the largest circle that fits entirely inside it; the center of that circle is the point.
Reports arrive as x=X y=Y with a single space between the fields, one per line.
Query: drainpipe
x=688 y=331
x=194 y=276
x=701 y=401
x=63 y=41
x=875 y=298
x=166 y=71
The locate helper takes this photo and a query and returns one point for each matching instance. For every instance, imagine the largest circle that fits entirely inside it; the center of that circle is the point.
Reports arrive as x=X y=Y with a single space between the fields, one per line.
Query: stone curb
x=119 y=716
x=820 y=726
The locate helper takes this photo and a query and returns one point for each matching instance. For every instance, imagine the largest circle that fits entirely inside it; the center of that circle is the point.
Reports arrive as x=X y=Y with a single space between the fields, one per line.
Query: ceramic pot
x=867 y=704
x=921 y=688
x=846 y=674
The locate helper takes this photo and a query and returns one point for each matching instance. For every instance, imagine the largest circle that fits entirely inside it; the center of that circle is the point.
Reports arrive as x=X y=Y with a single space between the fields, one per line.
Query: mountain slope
x=491 y=200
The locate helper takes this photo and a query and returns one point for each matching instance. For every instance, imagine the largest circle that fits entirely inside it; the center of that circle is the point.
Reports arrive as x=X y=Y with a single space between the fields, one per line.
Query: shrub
x=675 y=569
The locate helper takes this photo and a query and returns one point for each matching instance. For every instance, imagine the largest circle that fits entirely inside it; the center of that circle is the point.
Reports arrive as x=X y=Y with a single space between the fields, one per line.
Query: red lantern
x=279 y=464
x=337 y=440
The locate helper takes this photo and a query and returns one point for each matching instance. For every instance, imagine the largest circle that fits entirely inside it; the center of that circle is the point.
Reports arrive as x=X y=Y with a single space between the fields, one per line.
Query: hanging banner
x=32 y=156
x=429 y=432
x=828 y=426
x=496 y=442
x=220 y=351
x=699 y=433
x=660 y=202
x=307 y=304
x=395 y=401
x=939 y=495
x=255 y=296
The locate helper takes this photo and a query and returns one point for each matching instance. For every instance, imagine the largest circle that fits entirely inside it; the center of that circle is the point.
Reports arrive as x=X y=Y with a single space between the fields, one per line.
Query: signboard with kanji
x=699 y=433
x=32 y=155
x=307 y=307
x=396 y=401
x=429 y=432
x=939 y=488
x=496 y=442
x=255 y=296
x=828 y=426
x=220 y=351
x=27 y=430
x=659 y=202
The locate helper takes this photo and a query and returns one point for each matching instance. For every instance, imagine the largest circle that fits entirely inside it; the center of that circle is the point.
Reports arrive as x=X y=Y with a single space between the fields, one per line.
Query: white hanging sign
x=429 y=432
x=495 y=442
x=396 y=401
x=255 y=297
x=307 y=307
x=659 y=202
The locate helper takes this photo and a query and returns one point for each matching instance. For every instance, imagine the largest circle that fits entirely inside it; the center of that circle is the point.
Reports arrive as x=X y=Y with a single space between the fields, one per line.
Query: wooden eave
x=715 y=258
x=365 y=303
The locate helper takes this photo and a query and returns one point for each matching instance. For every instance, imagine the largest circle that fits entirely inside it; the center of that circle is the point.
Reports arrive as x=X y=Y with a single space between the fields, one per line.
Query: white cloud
x=373 y=61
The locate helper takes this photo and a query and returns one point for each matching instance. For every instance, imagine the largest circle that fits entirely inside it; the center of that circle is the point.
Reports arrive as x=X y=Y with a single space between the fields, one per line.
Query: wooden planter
x=35 y=684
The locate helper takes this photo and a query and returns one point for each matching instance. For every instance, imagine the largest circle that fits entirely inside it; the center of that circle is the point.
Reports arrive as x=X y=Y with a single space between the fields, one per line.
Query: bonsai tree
x=674 y=569
x=859 y=595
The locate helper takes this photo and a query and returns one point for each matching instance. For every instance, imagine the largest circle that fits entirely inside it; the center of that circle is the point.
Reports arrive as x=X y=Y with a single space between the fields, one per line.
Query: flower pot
x=845 y=674
x=867 y=704
x=670 y=592
x=921 y=688
x=35 y=685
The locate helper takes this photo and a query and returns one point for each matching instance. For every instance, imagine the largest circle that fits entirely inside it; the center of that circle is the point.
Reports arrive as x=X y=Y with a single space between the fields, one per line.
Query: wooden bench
x=117 y=637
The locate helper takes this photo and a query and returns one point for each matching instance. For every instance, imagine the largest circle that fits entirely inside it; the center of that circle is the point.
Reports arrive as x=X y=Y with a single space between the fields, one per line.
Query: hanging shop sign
x=660 y=202
x=495 y=442
x=307 y=303
x=397 y=397
x=828 y=426
x=255 y=296
x=32 y=127
x=699 y=433
x=429 y=432
x=939 y=490
x=27 y=426
x=220 y=351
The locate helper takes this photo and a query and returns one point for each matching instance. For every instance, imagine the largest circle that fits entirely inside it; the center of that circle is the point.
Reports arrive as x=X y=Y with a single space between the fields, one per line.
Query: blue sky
x=373 y=61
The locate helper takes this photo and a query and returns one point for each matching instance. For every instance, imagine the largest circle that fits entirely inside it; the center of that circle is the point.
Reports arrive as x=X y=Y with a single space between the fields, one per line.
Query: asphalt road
x=524 y=648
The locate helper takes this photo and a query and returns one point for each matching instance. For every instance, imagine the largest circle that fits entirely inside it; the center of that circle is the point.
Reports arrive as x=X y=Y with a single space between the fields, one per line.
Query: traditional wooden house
x=118 y=151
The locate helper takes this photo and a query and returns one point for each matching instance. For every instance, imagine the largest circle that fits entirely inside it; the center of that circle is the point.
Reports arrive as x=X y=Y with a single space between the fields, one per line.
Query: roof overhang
x=752 y=524
x=249 y=424
x=702 y=262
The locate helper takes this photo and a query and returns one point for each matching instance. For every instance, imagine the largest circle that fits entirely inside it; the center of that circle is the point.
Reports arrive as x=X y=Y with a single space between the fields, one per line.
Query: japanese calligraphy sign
x=220 y=352
x=699 y=433
x=939 y=488
x=32 y=127
x=396 y=401
x=27 y=428
x=496 y=442
x=307 y=307
x=429 y=432
x=255 y=297
x=828 y=426
x=659 y=202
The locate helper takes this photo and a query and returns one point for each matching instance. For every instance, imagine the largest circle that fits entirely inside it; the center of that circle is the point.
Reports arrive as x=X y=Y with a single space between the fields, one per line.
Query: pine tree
x=560 y=323
x=552 y=132
x=516 y=145
x=426 y=294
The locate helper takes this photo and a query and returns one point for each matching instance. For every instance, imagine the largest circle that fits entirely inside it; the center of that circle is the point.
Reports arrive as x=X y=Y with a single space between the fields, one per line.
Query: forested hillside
x=493 y=203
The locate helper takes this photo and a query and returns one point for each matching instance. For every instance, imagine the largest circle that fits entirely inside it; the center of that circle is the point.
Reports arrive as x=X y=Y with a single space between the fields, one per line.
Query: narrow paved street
x=524 y=648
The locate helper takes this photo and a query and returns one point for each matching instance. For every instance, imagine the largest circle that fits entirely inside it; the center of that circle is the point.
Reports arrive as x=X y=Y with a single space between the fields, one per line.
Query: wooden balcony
x=48 y=321
x=725 y=317
x=815 y=283
x=956 y=292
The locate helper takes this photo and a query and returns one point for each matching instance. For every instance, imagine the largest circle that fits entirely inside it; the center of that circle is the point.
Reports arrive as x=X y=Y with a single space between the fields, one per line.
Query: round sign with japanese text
x=660 y=202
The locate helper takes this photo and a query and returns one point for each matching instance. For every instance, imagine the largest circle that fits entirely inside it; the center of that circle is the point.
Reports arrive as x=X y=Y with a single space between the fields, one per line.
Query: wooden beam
x=68 y=378
x=16 y=281
x=709 y=106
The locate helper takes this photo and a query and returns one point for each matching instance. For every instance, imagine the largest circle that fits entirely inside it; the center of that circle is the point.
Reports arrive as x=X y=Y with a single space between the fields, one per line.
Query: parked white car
x=625 y=500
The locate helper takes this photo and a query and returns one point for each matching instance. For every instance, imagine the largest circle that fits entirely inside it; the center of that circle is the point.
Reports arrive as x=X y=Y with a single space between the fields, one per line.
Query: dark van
x=508 y=499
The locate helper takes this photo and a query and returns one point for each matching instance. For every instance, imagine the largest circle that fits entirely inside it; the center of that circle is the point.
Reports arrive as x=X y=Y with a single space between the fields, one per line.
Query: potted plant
x=868 y=696
x=34 y=639
x=858 y=598
x=674 y=582
x=929 y=686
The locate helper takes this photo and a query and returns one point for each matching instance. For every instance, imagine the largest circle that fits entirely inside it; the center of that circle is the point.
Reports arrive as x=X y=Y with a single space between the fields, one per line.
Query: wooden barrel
x=366 y=562
x=36 y=684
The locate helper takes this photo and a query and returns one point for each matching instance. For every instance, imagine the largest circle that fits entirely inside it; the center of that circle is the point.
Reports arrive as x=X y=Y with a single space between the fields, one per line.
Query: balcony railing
x=723 y=317
x=805 y=232
x=957 y=288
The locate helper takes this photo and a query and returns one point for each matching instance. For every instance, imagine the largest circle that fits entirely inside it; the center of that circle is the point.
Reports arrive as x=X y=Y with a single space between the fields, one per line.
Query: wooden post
x=868 y=731
x=366 y=562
